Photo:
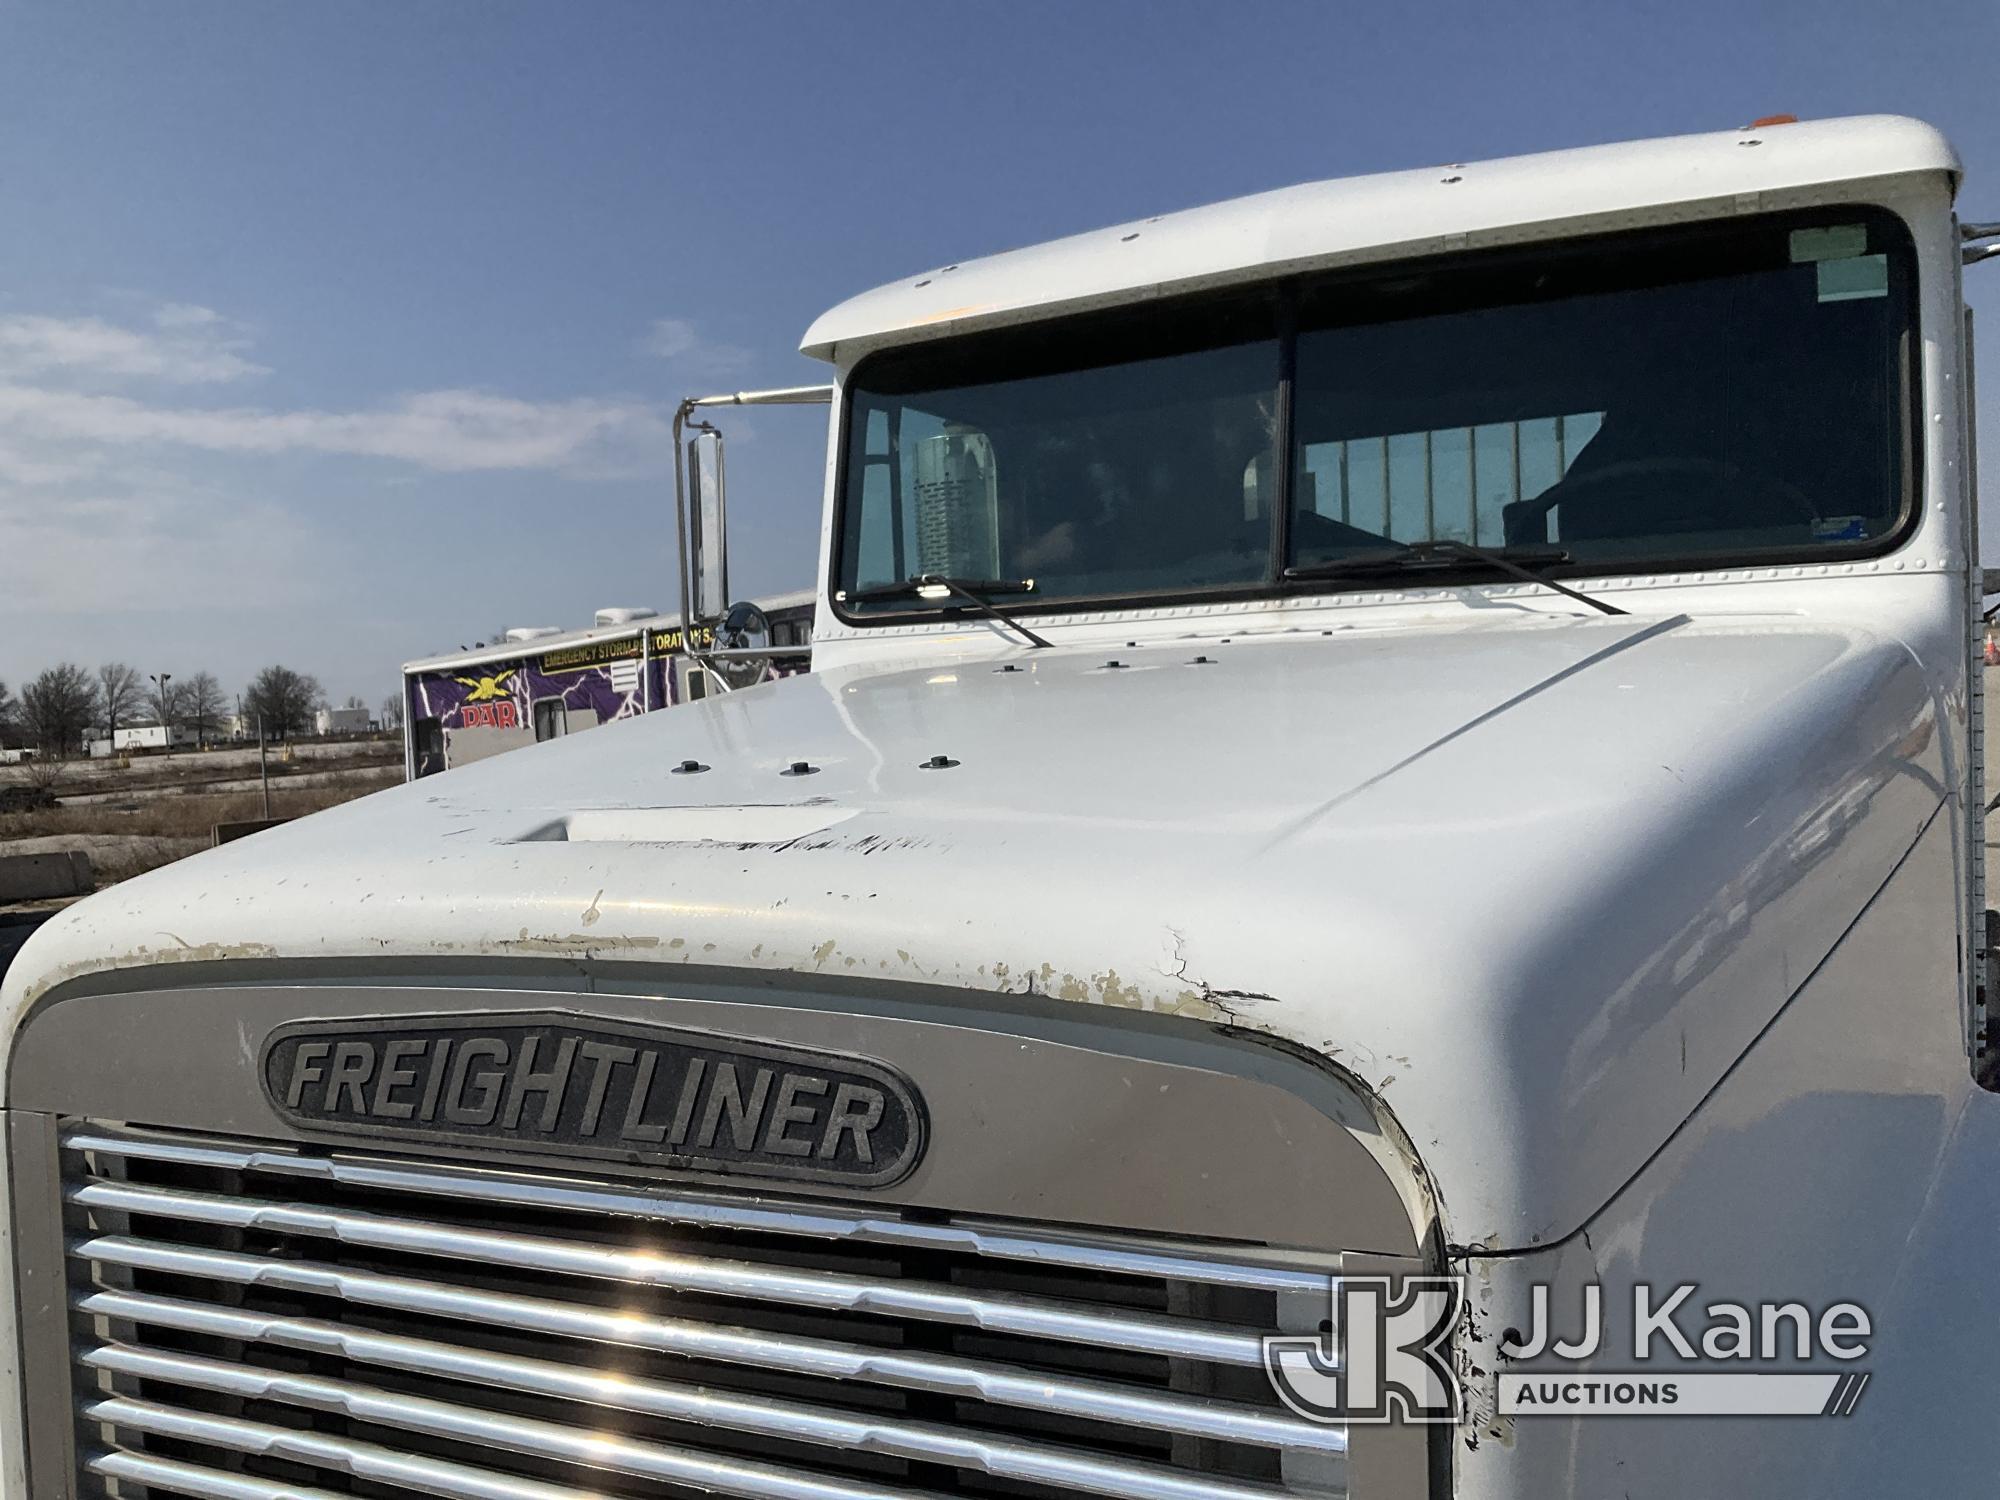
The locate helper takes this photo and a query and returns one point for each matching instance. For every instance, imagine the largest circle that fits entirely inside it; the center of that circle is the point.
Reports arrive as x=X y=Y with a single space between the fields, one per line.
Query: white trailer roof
x=520 y=650
x=1356 y=219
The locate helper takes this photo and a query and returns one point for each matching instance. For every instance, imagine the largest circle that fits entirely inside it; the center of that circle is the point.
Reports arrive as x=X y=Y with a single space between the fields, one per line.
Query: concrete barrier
x=228 y=833
x=40 y=877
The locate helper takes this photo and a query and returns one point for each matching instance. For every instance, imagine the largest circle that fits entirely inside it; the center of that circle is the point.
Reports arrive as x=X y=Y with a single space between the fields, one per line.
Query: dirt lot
x=149 y=810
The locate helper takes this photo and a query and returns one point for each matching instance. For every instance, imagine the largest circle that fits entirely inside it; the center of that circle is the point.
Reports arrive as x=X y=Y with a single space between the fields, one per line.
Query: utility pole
x=263 y=768
x=160 y=681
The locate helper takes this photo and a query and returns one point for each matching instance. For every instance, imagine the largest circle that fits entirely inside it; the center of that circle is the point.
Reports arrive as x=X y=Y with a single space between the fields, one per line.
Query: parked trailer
x=1314 y=933
x=474 y=704
x=153 y=737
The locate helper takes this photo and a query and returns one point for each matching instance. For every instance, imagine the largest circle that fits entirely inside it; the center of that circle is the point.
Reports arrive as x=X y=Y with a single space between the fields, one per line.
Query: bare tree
x=284 y=699
x=390 y=714
x=355 y=700
x=202 y=702
x=57 y=708
x=121 y=693
x=7 y=707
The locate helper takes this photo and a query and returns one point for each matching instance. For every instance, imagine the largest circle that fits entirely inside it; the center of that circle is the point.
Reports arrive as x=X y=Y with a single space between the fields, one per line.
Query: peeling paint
x=202 y=952
x=1115 y=991
x=575 y=944
x=143 y=955
x=1199 y=1006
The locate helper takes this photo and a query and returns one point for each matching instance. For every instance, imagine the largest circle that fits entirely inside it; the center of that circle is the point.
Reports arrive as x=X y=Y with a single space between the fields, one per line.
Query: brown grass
x=149 y=770
x=137 y=856
x=193 y=815
x=162 y=829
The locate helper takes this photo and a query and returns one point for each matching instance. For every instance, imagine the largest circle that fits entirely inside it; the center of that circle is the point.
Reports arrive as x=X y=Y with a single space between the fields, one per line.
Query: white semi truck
x=1392 y=779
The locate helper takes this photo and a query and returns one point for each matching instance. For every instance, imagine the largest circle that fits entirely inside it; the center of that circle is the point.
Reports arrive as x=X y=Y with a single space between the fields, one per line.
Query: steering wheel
x=1573 y=486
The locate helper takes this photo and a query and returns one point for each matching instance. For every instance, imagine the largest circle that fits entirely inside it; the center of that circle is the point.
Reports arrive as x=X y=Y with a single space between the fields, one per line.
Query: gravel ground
x=157 y=809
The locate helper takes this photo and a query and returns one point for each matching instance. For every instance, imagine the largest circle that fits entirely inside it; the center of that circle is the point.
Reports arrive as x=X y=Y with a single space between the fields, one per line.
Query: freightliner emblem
x=549 y=1082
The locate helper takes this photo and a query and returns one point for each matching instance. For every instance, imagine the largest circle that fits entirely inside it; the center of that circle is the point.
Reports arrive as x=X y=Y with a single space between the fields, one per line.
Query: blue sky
x=340 y=334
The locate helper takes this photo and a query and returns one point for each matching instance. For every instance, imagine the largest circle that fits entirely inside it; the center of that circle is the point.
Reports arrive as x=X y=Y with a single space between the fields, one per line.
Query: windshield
x=1707 y=395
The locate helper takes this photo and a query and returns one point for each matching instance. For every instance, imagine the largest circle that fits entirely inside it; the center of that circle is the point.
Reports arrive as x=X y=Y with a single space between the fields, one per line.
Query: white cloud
x=76 y=386
x=42 y=467
x=183 y=352
x=124 y=494
x=138 y=543
x=448 y=430
x=669 y=338
x=185 y=315
x=678 y=339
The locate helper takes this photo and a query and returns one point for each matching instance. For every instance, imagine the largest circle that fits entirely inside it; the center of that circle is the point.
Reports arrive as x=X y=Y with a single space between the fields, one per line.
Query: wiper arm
x=971 y=590
x=1514 y=561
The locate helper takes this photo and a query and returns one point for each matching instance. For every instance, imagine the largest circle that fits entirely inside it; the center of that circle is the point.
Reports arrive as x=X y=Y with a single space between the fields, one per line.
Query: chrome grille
x=275 y=1324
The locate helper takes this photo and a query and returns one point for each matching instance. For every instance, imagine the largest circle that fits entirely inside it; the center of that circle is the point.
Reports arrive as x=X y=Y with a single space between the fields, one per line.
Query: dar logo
x=486 y=689
x=490 y=704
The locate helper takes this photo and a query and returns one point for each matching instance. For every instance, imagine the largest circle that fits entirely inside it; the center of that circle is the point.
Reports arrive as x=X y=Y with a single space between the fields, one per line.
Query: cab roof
x=1356 y=219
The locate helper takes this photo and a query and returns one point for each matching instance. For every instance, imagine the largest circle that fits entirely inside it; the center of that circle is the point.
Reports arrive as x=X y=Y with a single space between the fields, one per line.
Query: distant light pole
x=160 y=682
x=263 y=768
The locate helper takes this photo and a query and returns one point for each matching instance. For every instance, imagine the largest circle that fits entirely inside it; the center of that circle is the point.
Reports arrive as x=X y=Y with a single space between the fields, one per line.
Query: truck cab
x=1415 y=733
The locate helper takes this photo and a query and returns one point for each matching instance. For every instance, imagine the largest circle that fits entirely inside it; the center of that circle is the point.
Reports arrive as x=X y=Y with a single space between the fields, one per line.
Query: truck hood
x=1536 y=881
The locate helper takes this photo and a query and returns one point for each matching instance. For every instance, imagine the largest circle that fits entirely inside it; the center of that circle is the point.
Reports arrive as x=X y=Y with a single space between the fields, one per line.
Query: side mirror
x=708 y=525
x=744 y=628
x=701 y=511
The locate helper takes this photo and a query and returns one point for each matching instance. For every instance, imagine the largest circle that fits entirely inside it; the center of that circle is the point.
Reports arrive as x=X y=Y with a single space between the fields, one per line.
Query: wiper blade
x=938 y=583
x=972 y=591
x=1518 y=562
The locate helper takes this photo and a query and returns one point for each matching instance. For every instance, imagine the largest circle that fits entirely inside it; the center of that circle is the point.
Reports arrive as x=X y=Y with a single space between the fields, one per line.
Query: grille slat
x=1030 y=1317
x=176 y=1478
x=1192 y=1416
x=506 y=1431
x=1130 y=1257
x=1026 y=1462
x=260 y=1323
x=365 y=1461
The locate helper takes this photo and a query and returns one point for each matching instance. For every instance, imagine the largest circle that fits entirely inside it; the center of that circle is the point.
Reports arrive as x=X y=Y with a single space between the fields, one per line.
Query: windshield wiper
x=1398 y=556
x=972 y=590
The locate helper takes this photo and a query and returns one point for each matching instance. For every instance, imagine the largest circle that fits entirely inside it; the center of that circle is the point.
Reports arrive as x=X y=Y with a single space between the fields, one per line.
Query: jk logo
x=1385 y=1354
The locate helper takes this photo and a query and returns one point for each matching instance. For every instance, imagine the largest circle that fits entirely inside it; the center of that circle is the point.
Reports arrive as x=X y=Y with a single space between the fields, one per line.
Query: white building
x=152 y=737
x=343 y=721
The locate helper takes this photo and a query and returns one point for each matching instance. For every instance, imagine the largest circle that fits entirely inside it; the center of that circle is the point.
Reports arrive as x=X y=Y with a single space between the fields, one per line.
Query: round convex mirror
x=743 y=627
